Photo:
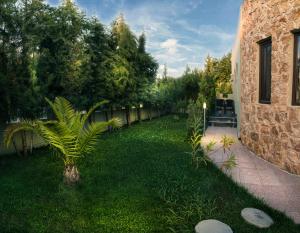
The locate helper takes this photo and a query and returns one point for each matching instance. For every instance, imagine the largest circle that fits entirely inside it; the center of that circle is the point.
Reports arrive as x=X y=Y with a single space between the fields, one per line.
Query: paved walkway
x=277 y=188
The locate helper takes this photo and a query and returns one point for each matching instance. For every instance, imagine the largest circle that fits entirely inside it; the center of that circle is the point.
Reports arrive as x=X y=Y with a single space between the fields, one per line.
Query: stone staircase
x=224 y=114
x=223 y=121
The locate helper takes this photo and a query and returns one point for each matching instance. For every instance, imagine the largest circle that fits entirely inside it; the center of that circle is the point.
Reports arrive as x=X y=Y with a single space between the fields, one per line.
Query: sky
x=178 y=32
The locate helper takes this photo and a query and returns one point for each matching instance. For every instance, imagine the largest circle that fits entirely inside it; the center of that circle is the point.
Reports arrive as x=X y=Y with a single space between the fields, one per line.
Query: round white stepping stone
x=257 y=217
x=212 y=226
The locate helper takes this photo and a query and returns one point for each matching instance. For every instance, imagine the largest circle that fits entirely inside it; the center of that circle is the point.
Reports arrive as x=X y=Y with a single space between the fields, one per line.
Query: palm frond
x=89 y=136
x=115 y=123
x=11 y=130
x=62 y=109
x=92 y=109
x=210 y=146
x=230 y=163
x=60 y=137
x=227 y=142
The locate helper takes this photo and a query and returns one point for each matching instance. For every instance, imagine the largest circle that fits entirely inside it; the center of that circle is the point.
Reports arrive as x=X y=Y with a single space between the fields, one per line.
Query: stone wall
x=272 y=131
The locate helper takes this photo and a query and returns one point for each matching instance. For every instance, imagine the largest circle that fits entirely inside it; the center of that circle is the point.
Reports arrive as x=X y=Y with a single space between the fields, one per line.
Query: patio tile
x=269 y=179
x=276 y=197
x=235 y=174
x=289 y=179
x=245 y=164
x=293 y=205
x=249 y=171
x=256 y=189
x=293 y=215
x=277 y=188
x=293 y=191
x=250 y=179
x=276 y=204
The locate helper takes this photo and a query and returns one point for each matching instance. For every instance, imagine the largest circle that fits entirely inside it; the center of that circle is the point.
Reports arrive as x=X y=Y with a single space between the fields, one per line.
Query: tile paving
x=277 y=188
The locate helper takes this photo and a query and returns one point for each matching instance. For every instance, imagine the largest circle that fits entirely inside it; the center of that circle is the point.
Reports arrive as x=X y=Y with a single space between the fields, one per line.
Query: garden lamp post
x=204 y=120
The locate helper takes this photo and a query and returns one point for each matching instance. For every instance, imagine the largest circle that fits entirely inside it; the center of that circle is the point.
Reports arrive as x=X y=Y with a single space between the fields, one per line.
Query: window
x=265 y=71
x=296 y=79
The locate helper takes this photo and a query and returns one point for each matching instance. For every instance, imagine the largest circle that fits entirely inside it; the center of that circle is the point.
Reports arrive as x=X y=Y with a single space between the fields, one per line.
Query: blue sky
x=179 y=32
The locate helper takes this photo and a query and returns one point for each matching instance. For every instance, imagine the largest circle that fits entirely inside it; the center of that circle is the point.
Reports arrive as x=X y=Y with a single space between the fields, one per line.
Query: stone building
x=266 y=80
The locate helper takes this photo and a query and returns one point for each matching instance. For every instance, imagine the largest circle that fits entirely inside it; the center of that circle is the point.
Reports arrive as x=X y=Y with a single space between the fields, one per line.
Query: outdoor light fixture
x=204 y=120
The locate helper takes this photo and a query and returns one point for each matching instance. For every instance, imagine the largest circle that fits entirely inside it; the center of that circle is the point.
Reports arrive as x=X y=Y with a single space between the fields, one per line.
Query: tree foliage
x=58 y=51
x=220 y=70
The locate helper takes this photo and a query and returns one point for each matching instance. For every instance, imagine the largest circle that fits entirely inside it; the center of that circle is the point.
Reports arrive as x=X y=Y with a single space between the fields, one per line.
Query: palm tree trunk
x=71 y=174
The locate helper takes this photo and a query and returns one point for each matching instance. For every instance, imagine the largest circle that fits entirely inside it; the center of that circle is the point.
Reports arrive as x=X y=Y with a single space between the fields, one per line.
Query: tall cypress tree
x=61 y=50
x=126 y=48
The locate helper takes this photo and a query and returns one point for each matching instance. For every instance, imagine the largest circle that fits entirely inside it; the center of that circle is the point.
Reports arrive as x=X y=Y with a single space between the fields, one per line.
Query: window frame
x=262 y=44
x=296 y=68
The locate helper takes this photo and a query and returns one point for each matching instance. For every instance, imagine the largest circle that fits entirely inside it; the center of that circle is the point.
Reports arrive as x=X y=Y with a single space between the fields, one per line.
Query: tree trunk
x=24 y=144
x=111 y=117
x=71 y=174
x=111 y=112
x=16 y=148
x=138 y=109
x=31 y=142
x=93 y=117
x=150 y=114
x=127 y=110
x=106 y=115
x=90 y=118
x=106 y=119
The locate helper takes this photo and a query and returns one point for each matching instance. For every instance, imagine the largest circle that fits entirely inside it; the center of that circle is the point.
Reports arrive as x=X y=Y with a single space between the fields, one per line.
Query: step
x=222 y=118
x=223 y=123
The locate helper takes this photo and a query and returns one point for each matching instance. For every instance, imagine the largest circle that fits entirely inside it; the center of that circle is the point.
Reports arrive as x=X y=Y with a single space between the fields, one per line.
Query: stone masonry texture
x=272 y=131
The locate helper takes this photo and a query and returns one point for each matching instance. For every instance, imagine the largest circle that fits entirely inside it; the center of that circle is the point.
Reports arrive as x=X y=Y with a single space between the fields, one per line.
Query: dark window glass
x=296 y=81
x=265 y=71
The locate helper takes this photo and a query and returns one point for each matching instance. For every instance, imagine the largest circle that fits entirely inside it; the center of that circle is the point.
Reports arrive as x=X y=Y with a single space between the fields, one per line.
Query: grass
x=139 y=180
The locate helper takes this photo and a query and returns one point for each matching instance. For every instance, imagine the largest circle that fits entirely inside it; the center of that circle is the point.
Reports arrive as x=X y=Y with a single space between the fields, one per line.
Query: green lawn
x=139 y=180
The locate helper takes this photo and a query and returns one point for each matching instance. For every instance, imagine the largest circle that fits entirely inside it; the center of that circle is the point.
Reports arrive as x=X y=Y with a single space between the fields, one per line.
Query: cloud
x=192 y=5
x=171 y=71
x=176 y=32
x=170 y=45
x=108 y=3
x=206 y=30
x=172 y=38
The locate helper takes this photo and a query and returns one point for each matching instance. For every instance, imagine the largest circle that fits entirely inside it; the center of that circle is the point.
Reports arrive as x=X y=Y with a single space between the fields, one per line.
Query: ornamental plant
x=70 y=135
x=195 y=130
x=230 y=162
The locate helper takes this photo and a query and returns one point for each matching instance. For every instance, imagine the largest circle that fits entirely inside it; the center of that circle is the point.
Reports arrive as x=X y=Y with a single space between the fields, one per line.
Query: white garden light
x=204 y=110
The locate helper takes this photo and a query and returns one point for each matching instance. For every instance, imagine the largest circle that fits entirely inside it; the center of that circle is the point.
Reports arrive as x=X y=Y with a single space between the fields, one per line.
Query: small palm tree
x=70 y=135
